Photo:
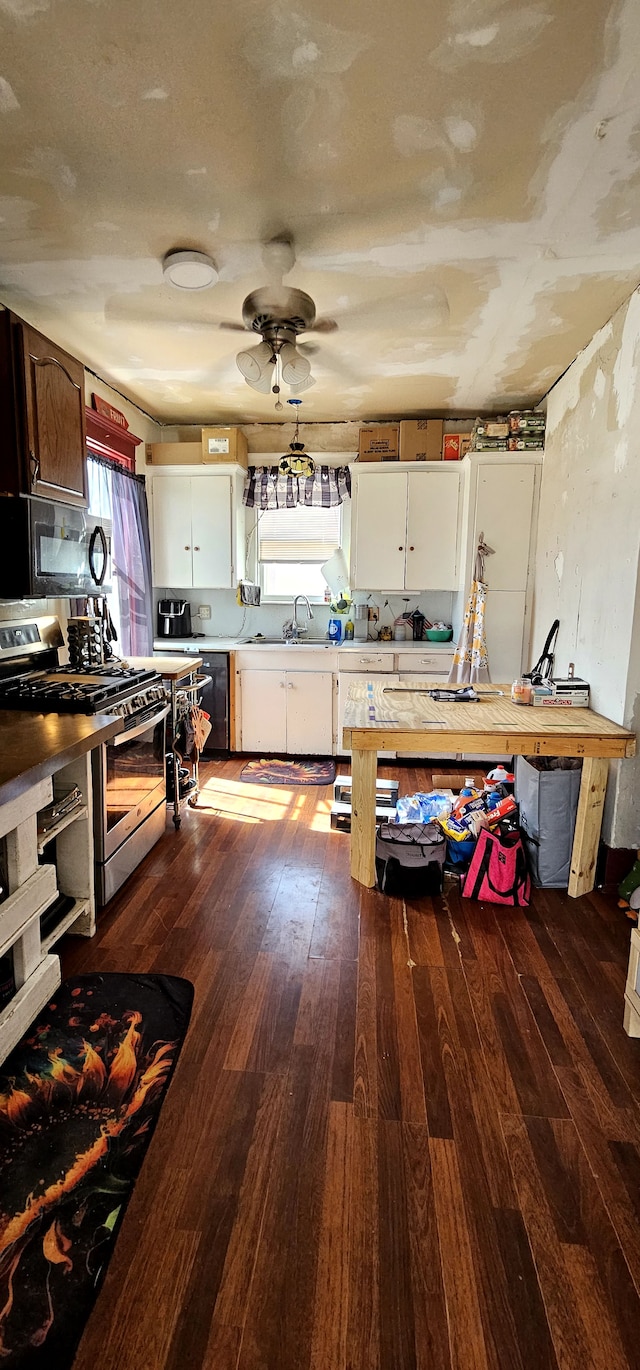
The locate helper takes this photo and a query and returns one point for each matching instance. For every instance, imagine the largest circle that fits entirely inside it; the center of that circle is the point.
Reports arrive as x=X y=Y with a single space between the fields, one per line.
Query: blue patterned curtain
x=121 y=497
x=267 y=488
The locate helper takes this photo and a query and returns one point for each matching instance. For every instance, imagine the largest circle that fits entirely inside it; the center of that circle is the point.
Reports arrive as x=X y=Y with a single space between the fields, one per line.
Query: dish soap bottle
x=348 y=631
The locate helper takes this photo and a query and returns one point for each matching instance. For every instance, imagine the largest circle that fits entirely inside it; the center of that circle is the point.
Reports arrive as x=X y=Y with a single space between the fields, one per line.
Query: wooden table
x=382 y=719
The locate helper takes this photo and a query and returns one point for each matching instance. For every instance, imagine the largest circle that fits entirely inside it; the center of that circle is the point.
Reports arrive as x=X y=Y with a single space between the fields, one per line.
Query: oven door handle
x=129 y=733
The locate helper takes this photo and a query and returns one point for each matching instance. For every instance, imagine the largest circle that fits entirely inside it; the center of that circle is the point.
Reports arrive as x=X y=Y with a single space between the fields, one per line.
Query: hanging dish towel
x=471 y=659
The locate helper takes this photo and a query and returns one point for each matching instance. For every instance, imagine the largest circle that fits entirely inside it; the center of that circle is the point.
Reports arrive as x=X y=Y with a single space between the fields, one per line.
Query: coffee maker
x=174 y=618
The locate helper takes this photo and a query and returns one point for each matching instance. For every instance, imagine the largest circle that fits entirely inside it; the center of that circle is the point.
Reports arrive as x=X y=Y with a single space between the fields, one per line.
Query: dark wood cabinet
x=43 y=419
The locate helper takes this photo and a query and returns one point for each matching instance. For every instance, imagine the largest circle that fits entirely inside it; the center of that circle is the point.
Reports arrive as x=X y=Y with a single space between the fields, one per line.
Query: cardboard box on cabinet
x=455 y=446
x=421 y=439
x=224 y=444
x=379 y=442
x=174 y=453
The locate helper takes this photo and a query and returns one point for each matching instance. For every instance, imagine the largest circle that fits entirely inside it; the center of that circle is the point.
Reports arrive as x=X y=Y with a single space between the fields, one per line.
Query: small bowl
x=438 y=634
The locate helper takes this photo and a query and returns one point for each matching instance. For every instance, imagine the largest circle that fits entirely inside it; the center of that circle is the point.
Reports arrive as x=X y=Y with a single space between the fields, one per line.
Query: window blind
x=298 y=534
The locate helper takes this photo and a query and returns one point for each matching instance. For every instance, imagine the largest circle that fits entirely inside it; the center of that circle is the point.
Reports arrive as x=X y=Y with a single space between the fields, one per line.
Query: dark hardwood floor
x=397 y=1139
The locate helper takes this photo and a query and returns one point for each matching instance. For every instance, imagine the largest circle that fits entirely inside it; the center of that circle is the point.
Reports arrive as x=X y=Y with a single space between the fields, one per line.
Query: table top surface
x=33 y=746
x=380 y=710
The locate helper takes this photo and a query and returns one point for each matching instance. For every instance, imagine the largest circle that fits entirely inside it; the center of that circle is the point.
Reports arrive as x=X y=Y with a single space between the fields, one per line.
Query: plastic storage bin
x=546 y=789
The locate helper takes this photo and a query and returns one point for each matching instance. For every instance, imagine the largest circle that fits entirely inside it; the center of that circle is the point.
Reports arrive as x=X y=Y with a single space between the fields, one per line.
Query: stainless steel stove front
x=129 y=795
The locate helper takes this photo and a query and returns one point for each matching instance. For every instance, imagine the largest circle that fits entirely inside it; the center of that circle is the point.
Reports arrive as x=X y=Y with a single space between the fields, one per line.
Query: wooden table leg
x=363 y=816
x=593 y=785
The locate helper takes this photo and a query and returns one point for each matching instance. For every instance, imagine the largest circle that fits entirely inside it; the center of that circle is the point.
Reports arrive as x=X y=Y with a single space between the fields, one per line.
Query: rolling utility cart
x=180 y=672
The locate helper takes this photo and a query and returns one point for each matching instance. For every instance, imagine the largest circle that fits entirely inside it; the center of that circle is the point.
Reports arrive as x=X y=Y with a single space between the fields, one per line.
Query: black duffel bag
x=409 y=859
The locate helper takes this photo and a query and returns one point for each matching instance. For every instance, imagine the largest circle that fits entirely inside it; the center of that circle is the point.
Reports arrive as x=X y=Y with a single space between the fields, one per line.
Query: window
x=293 y=544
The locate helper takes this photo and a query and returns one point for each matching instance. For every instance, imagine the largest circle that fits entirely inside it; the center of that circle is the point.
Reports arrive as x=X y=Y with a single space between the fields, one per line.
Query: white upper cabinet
x=212 y=533
x=198 y=531
x=406 y=529
x=432 y=529
x=379 y=538
x=504 y=509
x=172 y=557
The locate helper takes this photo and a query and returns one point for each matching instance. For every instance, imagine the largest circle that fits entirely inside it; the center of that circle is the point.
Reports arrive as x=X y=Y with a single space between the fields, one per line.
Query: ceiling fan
x=278 y=314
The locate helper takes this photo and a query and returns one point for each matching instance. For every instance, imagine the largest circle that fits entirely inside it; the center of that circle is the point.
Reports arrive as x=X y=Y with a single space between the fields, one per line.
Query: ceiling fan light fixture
x=261 y=383
x=187 y=270
x=299 y=386
x=253 y=361
x=295 y=367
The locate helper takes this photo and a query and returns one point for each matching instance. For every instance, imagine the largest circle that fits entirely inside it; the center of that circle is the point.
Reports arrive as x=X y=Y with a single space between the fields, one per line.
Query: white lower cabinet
x=264 y=711
x=287 y=711
x=309 y=699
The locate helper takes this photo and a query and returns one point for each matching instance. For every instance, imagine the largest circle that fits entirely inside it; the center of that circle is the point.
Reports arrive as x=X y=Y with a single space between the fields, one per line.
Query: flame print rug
x=274 y=772
x=79 y=1099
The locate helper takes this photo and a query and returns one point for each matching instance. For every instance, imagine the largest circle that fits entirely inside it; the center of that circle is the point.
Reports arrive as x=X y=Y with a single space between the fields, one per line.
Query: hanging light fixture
x=296 y=462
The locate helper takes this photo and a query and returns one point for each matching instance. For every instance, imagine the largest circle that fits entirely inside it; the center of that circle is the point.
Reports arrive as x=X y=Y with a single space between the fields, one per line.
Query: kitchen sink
x=281 y=642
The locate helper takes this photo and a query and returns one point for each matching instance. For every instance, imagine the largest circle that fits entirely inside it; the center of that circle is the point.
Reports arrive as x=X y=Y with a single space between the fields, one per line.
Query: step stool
x=386 y=791
x=341 y=815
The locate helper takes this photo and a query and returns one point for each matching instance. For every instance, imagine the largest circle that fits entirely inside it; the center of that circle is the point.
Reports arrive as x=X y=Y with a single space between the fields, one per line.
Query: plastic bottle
x=348 y=631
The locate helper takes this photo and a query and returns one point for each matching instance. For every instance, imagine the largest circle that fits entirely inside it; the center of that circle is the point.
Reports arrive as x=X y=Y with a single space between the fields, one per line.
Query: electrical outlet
x=374 y=613
x=204 y=611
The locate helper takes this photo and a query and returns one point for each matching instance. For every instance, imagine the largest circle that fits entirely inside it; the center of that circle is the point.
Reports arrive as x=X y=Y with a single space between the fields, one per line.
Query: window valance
x=267 y=488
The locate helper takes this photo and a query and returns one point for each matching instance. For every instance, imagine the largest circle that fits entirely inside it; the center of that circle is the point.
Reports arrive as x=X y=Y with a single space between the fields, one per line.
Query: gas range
x=128 y=771
x=30 y=678
x=111 y=689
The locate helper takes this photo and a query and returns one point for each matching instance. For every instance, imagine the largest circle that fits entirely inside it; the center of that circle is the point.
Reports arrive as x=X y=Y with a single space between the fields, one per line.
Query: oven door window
x=135 y=774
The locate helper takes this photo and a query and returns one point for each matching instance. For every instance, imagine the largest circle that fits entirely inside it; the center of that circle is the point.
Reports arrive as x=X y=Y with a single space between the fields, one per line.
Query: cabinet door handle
x=291 y=685
x=412 y=549
x=196 y=549
x=35 y=467
x=401 y=549
x=187 y=547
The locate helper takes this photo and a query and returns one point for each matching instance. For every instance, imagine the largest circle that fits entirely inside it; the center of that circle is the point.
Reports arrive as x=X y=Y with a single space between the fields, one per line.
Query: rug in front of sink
x=79 y=1099
x=275 y=772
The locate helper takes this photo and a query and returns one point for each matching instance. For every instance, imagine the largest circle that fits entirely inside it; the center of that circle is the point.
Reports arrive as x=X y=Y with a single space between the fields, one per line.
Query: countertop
x=34 y=746
x=170 y=667
x=231 y=644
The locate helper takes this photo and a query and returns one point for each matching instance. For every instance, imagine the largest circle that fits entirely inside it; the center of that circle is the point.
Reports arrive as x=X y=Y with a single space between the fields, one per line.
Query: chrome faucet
x=291 y=629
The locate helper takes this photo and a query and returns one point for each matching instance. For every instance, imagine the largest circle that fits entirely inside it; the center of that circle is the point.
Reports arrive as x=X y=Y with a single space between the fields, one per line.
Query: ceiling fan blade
x=308 y=348
x=232 y=327
x=323 y=325
x=331 y=361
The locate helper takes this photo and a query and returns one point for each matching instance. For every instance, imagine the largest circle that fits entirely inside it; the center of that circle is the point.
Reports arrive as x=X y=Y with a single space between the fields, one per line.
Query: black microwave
x=50 y=550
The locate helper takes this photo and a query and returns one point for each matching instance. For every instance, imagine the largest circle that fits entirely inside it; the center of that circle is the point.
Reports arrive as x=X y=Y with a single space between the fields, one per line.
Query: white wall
x=141 y=424
x=589 y=540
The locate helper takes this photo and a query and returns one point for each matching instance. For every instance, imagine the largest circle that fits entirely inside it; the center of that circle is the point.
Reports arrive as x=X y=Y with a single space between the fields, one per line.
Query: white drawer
x=434 y=663
x=296 y=658
x=366 y=663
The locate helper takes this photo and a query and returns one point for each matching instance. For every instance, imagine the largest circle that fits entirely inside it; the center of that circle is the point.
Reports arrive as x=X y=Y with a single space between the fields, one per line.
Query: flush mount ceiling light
x=189 y=270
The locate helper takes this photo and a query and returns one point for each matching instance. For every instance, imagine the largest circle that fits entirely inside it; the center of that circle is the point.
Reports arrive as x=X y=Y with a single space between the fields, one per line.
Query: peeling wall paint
x=588 y=549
